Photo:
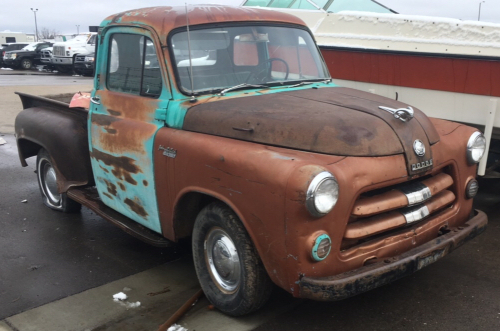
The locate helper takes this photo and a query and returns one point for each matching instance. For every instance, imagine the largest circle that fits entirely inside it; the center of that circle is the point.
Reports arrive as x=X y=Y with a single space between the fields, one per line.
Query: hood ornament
x=404 y=114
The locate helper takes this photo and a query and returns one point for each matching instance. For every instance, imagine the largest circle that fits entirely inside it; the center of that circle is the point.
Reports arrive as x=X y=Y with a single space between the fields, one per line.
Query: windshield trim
x=238 y=24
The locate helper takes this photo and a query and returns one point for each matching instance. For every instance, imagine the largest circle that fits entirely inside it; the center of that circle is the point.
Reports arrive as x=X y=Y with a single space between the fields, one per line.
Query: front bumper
x=11 y=62
x=62 y=61
x=84 y=66
x=363 y=279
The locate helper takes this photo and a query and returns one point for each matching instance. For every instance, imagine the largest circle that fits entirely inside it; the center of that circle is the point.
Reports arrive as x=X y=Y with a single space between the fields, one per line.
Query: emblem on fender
x=404 y=114
x=419 y=147
x=168 y=151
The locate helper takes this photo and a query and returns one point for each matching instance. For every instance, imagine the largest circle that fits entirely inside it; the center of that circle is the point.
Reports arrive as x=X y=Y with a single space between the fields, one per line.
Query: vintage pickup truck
x=222 y=125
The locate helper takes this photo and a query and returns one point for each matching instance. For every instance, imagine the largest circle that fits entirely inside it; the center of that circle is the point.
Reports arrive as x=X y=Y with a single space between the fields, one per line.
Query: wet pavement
x=46 y=255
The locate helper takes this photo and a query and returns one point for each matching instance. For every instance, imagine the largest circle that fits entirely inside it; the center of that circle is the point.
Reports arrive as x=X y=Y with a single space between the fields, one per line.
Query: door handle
x=95 y=100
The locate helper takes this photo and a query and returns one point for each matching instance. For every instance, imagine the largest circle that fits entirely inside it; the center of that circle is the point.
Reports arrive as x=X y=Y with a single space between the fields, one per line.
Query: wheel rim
x=49 y=183
x=223 y=260
x=26 y=64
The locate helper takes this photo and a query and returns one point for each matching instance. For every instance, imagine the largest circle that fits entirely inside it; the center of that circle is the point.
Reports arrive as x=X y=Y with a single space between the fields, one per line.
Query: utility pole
x=36 y=27
x=78 y=29
x=479 y=14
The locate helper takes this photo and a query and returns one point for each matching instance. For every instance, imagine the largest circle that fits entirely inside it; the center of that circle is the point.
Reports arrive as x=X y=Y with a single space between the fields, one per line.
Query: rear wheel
x=227 y=264
x=26 y=64
x=47 y=181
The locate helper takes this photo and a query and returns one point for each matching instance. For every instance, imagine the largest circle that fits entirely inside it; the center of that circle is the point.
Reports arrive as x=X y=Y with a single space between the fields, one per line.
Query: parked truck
x=64 y=53
x=26 y=58
x=246 y=147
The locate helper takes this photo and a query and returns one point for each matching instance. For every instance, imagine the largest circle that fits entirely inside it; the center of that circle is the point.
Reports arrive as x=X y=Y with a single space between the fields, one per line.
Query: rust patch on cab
x=122 y=166
x=111 y=187
x=136 y=207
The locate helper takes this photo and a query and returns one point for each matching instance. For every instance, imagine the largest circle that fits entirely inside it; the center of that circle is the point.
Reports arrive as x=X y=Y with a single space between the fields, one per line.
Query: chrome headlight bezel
x=311 y=195
x=471 y=145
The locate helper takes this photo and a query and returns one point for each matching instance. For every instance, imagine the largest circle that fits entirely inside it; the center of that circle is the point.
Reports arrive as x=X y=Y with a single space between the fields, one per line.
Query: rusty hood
x=337 y=121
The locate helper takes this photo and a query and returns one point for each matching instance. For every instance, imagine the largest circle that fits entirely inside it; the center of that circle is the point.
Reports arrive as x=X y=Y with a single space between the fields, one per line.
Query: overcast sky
x=63 y=15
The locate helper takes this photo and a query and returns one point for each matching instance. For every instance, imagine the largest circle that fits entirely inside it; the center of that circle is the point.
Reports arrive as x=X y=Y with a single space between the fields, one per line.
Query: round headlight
x=476 y=147
x=322 y=194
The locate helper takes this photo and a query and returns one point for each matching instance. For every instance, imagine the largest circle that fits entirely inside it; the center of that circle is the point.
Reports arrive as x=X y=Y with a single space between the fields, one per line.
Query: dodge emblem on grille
x=419 y=147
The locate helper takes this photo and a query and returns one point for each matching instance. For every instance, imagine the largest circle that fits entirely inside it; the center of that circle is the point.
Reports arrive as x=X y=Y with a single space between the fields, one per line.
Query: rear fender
x=62 y=132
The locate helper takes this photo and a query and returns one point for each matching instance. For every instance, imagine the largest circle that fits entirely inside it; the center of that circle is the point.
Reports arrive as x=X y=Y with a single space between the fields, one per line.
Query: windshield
x=30 y=47
x=224 y=57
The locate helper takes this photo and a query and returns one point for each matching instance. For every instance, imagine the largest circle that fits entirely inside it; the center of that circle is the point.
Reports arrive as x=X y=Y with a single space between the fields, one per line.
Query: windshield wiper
x=307 y=83
x=244 y=85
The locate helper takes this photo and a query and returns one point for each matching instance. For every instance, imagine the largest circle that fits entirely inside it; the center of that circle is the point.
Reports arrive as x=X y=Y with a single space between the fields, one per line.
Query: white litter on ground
x=24 y=201
x=7 y=69
x=120 y=296
x=2 y=141
x=177 y=327
x=132 y=304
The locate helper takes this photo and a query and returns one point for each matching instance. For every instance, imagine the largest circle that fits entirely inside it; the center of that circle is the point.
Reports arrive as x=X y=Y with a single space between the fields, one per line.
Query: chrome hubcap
x=223 y=260
x=50 y=183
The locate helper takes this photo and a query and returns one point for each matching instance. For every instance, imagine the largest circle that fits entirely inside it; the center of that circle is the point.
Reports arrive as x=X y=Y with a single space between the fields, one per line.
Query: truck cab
x=221 y=125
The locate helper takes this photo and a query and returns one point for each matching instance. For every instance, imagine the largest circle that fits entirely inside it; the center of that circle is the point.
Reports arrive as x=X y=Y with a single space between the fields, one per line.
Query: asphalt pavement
x=69 y=265
x=47 y=255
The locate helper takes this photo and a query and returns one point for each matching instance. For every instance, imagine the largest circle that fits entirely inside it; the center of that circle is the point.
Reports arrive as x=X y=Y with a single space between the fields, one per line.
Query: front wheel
x=227 y=264
x=47 y=181
x=26 y=64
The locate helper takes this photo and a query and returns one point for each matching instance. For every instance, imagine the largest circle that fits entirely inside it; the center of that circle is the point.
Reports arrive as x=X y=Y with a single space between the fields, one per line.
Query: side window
x=133 y=66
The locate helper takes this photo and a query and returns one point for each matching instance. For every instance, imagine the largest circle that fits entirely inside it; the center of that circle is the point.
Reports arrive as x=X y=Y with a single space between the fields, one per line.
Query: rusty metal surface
x=60 y=130
x=253 y=179
x=80 y=100
x=383 y=272
x=89 y=198
x=250 y=178
x=395 y=199
x=418 y=128
x=356 y=176
x=165 y=19
x=392 y=220
x=312 y=119
x=290 y=120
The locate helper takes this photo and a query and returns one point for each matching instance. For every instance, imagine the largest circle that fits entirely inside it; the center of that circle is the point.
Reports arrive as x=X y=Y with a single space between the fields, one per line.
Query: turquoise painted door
x=129 y=91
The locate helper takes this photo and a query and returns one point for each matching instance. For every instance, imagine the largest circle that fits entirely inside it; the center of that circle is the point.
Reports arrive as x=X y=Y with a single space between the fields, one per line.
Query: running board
x=90 y=198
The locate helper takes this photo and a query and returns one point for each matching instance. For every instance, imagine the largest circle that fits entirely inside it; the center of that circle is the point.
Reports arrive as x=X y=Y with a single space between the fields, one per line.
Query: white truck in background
x=64 y=53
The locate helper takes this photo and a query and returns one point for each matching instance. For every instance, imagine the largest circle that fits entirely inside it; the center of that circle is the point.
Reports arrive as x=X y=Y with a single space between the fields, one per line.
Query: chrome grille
x=58 y=51
x=380 y=211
